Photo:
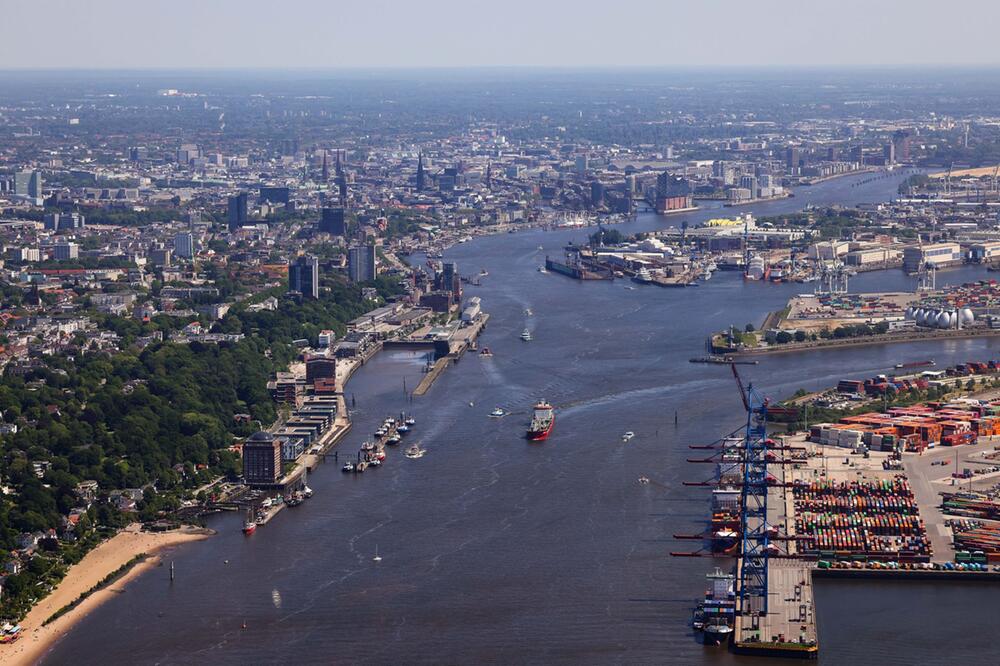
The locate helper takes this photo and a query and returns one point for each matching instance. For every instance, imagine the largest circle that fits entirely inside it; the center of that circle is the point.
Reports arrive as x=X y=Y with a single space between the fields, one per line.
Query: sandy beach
x=97 y=564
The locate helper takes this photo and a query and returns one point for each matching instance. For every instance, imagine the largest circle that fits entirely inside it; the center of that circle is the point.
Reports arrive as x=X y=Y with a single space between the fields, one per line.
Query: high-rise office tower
x=184 y=245
x=901 y=141
x=28 y=184
x=361 y=263
x=332 y=221
x=237 y=213
x=303 y=276
x=792 y=159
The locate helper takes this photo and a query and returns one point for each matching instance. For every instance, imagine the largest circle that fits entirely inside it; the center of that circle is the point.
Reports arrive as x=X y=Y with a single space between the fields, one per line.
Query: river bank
x=114 y=553
x=868 y=341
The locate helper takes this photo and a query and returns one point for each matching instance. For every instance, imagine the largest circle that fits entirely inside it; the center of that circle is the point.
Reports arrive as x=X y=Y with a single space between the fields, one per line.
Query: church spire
x=420 y=172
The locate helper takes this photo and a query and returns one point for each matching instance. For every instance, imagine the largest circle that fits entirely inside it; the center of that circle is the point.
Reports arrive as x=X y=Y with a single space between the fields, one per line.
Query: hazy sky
x=415 y=33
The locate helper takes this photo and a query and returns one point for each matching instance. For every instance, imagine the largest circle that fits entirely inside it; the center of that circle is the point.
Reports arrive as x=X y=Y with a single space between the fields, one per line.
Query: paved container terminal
x=789 y=628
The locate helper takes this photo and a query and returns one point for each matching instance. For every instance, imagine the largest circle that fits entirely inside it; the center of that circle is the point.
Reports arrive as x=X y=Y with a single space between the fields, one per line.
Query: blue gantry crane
x=752 y=578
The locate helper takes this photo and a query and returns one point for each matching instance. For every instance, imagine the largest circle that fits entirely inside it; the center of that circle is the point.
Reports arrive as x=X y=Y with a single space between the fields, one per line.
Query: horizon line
x=528 y=67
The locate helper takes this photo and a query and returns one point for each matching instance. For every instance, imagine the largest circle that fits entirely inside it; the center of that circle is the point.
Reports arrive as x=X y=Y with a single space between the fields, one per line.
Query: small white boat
x=415 y=452
x=542 y=269
x=348 y=466
x=410 y=421
x=528 y=312
x=497 y=413
x=526 y=335
x=643 y=276
x=403 y=429
x=377 y=557
x=627 y=436
x=307 y=492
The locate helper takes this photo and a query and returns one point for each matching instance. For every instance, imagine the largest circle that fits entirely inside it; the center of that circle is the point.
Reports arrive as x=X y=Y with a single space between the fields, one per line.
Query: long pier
x=459 y=344
x=789 y=627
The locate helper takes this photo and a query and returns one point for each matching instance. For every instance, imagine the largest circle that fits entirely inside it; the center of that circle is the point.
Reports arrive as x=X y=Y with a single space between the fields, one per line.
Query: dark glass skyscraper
x=237 y=215
x=332 y=221
x=303 y=276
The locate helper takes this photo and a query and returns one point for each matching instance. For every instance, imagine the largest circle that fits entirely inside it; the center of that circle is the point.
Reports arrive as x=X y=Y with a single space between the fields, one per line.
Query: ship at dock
x=716 y=614
x=542 y=422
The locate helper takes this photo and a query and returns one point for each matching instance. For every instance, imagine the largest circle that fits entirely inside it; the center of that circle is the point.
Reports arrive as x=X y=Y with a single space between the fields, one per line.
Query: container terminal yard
x=836 y=318
x=906 y=493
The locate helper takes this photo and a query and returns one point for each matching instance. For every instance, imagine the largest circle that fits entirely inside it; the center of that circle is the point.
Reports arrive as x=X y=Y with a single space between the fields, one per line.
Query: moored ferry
x=542 y=422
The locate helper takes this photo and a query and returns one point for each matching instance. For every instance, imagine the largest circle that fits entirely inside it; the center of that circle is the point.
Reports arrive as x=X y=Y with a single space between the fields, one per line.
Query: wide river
x=497 y=550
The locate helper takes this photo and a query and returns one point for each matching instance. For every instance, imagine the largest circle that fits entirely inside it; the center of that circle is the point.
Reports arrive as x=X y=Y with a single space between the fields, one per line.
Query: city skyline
x=445 y=33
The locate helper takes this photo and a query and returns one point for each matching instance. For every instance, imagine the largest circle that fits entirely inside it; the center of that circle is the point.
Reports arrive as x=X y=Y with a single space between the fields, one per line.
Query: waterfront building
x=901 y=143
x=261 y=459
x=672 y=193
x=320 y=367
x=449 y=280
x=936 y=255
x=792 y=159
x=749 y=183
x=326 y=338
x=987 y=252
